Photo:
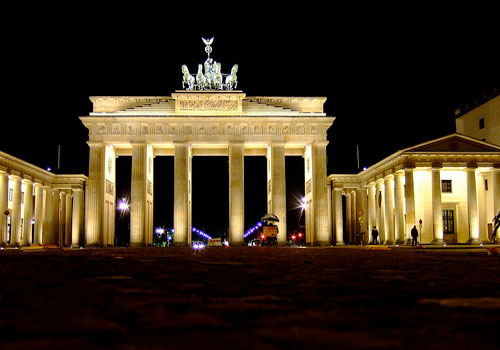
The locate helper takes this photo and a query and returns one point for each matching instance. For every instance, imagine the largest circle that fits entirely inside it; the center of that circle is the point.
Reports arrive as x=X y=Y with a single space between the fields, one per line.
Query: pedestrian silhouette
x=375 y=235
x=414 y=236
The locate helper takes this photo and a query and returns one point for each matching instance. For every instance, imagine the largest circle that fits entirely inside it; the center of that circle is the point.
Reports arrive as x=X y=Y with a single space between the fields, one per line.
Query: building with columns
x=449 y=188
x=202 y=123
x=39 y=207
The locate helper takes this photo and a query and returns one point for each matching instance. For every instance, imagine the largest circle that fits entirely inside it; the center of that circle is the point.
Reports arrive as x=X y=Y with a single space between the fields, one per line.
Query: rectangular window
x=486 y=184
x=481 y=124
x=11 y=193
x=446 y=186
x=448 y=221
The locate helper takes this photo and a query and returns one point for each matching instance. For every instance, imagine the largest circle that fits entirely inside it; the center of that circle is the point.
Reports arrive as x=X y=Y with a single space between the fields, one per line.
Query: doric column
x=339 y=227
x=354 y=216
x=4 y=193
x=329 y=196
x=62 y=218
x=38 y=213
x=363 y=199
x=77 y=220
x=348 y=215
x=138 y=195
x=380 y=199
x=372 y=210
x=472 y=206
x=277 y=188
x=320 y=197
x=28 y=212
x=56 y=209
x=94 y=195
x=68 y=219
x=409 y=193
x=15 y=224
x=47 y=222
x=496 y=196
x=182 y=188
x=236 y=193
x=389 y=209
x=399 y=218
x=437 y=210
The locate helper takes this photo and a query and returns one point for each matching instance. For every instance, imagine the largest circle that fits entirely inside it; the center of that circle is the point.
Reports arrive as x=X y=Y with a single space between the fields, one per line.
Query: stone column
x=236 y=193
x=138 y=195
x=4 y=193
x=329 y=197
x=94 y=195
x=372 y=210
x=399 y=218
x=339 y=227
x=76 y=224
x=55 y=217
x=389 y=209
x=354 y=215
x=28 y=212
x=182 y=229
x=472 y=207
x=363 y=198
x=348 y=214
x=277 y=188
x=47 y=222
x=496 y=196
x=68 y=219
x=38 y=214
x=320 y=198
x=62 y=218
x=380 y=199
x=15 y=223
x=409 y=193
x=437 y=210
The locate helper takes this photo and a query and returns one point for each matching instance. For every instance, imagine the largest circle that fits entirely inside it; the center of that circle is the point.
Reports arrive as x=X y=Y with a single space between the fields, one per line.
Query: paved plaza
x=249 y=298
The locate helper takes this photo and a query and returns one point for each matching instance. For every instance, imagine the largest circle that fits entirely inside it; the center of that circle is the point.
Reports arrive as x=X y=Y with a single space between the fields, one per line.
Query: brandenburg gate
x=208 y=118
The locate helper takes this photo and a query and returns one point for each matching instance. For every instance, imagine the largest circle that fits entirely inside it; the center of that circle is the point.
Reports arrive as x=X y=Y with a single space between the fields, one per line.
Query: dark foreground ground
x=249 y=298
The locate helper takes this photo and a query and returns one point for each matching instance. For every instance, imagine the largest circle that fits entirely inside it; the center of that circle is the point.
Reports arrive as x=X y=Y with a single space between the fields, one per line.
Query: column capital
x=388 y=177
x=27 y=181
x=95 y=144
x=323 y=143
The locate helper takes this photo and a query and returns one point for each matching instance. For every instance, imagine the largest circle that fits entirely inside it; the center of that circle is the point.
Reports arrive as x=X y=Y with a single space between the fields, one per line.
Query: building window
x=486 y=184
x=481 y=123
x=448 y=221
x=446 y=186
x=11 y=193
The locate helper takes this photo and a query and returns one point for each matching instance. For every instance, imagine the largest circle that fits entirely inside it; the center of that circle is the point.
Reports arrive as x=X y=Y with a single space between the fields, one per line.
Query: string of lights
x=252 y=229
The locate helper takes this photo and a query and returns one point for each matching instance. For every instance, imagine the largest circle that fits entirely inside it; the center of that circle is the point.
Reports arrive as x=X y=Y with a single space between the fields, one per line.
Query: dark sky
x=393 y=76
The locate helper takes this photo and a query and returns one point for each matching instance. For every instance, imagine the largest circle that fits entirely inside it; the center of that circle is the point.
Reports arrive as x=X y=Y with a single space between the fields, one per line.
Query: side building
x=449 y=188
x=482 y=122
x=38 y=207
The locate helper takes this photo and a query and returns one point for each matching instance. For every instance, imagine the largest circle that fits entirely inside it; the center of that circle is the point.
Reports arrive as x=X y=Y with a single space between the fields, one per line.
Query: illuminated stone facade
x=38 y=207
x=452 y=184
x=482 y=122
x=200 y=123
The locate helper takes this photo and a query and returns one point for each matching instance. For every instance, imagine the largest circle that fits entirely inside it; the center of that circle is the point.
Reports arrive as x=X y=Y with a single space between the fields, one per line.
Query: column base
x=388 y=242
x=474 y=241
x=339 y=243
x=438 y=241
x=401 y=242
x=323 y=244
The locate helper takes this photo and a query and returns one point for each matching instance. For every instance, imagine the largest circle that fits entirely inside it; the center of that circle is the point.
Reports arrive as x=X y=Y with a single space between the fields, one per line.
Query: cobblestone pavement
x=249 y=298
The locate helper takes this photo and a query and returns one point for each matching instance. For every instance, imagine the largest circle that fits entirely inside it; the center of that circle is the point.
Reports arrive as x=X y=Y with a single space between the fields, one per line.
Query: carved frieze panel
x=208 y=105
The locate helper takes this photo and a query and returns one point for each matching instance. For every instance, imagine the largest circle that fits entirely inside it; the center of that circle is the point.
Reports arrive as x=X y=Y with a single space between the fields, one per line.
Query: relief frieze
x=208 y=105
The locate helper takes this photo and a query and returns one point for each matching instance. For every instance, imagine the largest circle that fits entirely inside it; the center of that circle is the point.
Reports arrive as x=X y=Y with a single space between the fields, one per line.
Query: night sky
x=393 y=78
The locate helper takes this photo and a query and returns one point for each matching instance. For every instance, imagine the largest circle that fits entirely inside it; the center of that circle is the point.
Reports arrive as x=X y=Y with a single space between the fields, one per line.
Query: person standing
x=375 y=235
x=414 y=236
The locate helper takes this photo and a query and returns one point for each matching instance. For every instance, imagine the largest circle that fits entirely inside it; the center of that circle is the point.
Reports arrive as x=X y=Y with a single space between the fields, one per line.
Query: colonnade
x=102 y=173
x=33 y=213
x=395 y=202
